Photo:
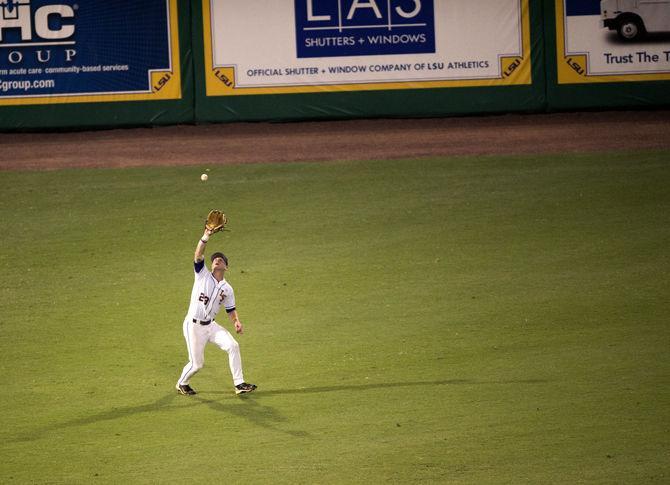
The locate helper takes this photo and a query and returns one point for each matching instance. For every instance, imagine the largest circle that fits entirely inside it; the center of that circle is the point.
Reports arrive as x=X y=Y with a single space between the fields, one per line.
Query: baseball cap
x=219 y=255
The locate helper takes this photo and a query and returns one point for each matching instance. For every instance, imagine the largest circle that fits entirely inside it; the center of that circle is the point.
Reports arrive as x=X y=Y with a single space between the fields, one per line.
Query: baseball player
x=210 y=293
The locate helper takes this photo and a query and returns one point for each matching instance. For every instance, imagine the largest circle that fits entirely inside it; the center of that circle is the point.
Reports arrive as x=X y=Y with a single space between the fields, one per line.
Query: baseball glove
x=216 y=221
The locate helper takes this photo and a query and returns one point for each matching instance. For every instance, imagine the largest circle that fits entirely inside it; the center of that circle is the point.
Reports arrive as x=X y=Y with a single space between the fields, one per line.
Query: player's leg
x=195 y=344
x=225 y=341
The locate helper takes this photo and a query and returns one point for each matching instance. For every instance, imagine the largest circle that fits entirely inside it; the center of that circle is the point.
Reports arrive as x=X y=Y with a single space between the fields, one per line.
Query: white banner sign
x=613 y=40
x=270 y=46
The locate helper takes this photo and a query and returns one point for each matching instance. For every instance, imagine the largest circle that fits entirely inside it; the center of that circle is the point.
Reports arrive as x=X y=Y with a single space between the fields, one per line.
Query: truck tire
x=630 y=28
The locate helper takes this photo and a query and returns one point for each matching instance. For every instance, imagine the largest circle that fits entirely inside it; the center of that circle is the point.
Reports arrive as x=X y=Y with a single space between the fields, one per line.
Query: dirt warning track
x=338 y=140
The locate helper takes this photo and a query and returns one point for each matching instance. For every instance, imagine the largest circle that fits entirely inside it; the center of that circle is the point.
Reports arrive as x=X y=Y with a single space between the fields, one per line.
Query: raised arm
x=215 y=222
x=200 y=248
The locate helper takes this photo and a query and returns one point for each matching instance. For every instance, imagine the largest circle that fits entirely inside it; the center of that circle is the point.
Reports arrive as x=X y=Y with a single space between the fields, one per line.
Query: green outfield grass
x=465 y=320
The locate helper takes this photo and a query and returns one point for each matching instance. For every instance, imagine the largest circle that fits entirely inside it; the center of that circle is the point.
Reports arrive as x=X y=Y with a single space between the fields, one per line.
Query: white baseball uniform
x=207 y=298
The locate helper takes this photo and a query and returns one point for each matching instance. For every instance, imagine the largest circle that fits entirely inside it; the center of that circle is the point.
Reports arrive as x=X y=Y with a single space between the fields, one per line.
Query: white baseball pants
x=197 y=336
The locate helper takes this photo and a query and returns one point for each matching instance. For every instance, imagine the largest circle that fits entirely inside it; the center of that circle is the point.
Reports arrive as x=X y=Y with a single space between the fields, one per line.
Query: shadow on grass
x=114 y=413
x=259 y=415
x=246 y=406
x=384 y=385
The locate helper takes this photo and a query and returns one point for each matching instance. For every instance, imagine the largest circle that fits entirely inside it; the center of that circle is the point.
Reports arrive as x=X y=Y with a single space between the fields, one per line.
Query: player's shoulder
x=200 y=267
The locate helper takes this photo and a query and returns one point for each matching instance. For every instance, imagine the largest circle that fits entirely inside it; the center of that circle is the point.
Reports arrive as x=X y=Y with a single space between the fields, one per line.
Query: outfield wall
x=73 y=63
x=67 y=63
x=588 y=66
x=338 y=59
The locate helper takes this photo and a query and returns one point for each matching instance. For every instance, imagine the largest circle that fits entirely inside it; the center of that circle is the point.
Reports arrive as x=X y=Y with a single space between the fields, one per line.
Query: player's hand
x=238 y=327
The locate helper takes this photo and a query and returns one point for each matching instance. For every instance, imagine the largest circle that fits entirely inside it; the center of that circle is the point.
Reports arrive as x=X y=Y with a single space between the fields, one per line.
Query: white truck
x=633 y=19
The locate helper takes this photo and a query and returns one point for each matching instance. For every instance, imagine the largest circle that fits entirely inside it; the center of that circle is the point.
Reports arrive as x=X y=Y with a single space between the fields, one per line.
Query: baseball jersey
x=208 y=295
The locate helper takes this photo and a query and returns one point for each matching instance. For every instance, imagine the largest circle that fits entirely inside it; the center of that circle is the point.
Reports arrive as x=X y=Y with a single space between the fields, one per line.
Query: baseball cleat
x=244 y=388
x=185 y=389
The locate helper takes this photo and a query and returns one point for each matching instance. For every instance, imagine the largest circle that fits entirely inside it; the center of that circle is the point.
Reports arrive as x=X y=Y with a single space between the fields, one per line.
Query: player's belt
x=202 y=322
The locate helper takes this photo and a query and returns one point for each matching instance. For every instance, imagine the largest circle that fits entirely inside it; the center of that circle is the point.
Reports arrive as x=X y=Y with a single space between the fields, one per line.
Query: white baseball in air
x=204 y=177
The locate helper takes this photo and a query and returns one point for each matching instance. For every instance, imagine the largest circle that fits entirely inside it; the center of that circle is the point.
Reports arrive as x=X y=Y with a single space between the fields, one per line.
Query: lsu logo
x=329 y=28
x=28 y=23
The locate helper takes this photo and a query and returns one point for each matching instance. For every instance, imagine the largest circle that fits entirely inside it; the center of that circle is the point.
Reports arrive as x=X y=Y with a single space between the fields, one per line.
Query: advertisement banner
x=612 y=40
x=299 y=46
x=73 y=51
